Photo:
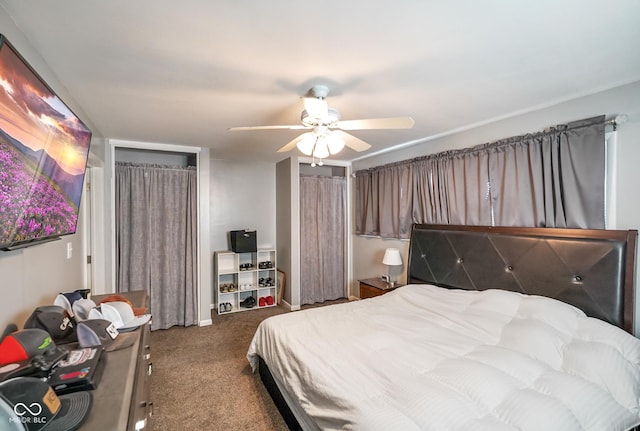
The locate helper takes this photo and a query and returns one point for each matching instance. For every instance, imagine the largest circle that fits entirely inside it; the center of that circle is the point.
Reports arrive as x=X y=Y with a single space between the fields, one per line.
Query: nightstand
x=371 y=287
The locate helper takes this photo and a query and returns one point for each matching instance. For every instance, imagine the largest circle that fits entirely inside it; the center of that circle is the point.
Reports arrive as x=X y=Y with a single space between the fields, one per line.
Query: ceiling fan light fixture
x=306 y=144
x=335 y=143
x=321 y=150
x=330 y=116
x=326 y=131
x=316 y=108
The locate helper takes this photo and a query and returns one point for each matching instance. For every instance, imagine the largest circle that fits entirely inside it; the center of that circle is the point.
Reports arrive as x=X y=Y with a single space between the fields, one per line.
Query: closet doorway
x=156 y=231
x=323 y=233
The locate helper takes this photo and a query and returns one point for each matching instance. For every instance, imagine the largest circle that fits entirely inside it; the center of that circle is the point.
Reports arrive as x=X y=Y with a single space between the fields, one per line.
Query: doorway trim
x=348 y=222
x=93 y=244
x=203 y=262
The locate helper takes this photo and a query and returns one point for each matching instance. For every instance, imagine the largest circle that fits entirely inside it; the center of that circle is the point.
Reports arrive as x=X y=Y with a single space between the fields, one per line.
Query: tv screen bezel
x=13 y=245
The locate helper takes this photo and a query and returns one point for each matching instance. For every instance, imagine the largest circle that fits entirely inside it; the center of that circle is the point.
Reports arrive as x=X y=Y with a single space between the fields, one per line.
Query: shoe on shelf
x=262 y=302
x=269 y=300
x=228 y=306
x=248 y=302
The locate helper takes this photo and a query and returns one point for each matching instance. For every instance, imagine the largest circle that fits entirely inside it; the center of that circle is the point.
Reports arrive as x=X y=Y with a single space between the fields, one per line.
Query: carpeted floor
x=202 y=380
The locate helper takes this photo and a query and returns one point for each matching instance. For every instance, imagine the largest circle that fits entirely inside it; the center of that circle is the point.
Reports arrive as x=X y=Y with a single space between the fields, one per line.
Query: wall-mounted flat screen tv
x=43 y=156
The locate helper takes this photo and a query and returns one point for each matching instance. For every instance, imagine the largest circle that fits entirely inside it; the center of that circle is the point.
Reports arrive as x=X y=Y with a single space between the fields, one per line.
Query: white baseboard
x=290 y=307
x=207 y=322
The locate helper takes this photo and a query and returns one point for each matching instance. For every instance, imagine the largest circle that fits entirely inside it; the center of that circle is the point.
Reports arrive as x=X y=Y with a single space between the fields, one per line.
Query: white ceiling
x=183 y=72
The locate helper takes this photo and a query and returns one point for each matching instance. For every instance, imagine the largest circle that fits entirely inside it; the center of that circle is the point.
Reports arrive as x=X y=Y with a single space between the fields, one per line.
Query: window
x=553 y=178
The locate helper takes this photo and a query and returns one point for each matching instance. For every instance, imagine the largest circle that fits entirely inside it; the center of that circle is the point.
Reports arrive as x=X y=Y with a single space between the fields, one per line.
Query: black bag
x=243 y=241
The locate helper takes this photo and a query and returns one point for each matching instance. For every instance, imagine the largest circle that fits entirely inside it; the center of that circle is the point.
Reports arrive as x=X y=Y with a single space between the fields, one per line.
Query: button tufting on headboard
x=590 y=269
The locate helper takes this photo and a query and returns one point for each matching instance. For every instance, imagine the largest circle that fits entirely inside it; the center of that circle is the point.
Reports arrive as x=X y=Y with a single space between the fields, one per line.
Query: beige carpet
x=202 y=381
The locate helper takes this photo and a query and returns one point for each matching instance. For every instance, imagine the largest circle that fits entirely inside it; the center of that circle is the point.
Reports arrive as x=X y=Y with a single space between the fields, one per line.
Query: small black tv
x=44 y=148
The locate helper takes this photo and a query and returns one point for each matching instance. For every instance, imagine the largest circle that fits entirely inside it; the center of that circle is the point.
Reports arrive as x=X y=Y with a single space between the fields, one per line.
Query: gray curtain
x=322 y=238
x=156 y=239
x=551 y=179
x=554 y=178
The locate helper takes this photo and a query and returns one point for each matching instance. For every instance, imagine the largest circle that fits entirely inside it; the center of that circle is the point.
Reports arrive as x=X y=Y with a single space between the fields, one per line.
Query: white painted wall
x=621 y=100
x=33 y=276
x=242 y=196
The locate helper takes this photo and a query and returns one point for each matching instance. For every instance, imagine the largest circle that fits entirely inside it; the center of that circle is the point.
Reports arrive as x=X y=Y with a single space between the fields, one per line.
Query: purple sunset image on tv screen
x=43 y=156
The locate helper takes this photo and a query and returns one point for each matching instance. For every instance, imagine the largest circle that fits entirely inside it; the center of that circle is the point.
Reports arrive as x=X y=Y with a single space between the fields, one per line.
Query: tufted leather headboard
x=590 y=269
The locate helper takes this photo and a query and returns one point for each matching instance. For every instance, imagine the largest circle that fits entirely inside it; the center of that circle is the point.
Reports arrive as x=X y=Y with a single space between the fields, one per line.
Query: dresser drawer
x=141 y=405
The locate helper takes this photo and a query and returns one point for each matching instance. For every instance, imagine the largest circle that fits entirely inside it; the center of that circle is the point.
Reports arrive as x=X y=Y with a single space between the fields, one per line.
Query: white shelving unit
x=238 y=276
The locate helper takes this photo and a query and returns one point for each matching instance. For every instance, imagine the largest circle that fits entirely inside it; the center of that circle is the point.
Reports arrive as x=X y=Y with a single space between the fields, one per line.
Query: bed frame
x=590 y=269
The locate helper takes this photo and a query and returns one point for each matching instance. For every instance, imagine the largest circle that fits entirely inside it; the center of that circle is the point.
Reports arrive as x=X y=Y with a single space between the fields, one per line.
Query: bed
x=496 y=329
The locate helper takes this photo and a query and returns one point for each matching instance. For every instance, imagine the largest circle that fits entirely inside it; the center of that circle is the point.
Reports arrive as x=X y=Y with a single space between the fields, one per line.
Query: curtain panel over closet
x=156 y=239
x=323 y=203
x=554 y=178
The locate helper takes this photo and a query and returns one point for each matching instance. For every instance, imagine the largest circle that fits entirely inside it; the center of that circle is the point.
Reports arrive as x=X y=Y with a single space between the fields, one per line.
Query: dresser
x=122 y=400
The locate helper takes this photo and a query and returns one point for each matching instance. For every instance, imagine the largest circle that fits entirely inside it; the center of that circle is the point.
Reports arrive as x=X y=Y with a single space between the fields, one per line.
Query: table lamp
x=391 y=257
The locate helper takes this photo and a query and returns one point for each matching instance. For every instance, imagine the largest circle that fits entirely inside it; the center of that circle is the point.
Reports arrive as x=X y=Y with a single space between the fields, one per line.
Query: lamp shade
x=392 y=257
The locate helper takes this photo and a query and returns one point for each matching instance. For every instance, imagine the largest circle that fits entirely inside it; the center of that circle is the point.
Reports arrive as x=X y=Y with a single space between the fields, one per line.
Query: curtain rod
x=617 y=120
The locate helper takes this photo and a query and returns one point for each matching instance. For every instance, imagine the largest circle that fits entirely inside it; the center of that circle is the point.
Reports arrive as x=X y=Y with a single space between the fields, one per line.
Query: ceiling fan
x=327 y=131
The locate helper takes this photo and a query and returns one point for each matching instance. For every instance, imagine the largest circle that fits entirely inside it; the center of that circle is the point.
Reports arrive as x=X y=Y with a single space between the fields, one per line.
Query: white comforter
x=427 y=358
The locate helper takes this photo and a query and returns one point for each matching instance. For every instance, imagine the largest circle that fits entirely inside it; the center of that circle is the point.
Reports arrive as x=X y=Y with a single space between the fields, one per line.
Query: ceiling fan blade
x=316 y=108
x=292 y=144
x=352 y=142
x=288 y=127
x=376 y=123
